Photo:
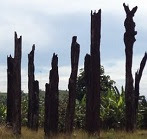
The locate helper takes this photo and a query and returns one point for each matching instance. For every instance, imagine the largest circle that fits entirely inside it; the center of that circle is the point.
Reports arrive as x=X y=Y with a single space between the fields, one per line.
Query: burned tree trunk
x=10 y=98
x=75 y=50
x=31 y=79
x=17 y=86
x=89 y=99
x=129 y=39
x=138 y=76
x=92 y=76
x=33 y=93
x=52 y=100
x=35 y=108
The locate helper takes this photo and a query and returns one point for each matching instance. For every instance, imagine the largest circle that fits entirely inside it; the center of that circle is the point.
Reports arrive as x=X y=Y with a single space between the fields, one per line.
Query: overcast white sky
x=50 y=24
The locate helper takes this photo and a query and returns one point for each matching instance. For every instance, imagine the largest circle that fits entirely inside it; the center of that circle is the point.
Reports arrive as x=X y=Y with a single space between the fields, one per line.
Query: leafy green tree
x=106 y=83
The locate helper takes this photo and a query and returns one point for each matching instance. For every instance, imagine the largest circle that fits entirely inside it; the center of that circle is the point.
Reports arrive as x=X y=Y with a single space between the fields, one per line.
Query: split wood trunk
x=33 y=93
x=52 y=100
x=70 y=112
x=92 y=76
x=129 y=39
x=138 y=76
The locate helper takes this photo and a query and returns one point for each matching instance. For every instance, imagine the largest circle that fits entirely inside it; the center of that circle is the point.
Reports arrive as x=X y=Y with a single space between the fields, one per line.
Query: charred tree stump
x=75 y=50
x=33 y=94
x=17 y=86
x=89 y=98
x=129 y=39
x=52 y=100
x=31 y=79
x=35 y=108
x=10 y=98
x=138 y=76
x=92 y=76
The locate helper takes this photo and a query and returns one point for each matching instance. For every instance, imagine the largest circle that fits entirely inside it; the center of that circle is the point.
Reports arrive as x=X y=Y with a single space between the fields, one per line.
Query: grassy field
x=27 y=134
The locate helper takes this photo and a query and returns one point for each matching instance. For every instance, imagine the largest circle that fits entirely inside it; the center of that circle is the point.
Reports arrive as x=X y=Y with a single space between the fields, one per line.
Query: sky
x=50 y=25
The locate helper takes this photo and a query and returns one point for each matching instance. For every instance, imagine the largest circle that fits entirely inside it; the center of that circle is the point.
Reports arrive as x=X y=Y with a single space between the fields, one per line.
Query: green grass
x=28 y=134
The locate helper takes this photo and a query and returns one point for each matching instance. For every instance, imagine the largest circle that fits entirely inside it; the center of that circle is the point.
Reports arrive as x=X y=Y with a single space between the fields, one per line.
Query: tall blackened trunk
x=31 y=79
x=17 y=86
x=129 y=39
x=89 y=97
x=75 y=51
x=10 y=98
x=33 y=93
x=92 y=76
x=52 y=100
x=138 y=76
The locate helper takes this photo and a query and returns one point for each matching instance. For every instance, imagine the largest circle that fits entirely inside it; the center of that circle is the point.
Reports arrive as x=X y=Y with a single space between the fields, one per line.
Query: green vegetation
x=112 y=112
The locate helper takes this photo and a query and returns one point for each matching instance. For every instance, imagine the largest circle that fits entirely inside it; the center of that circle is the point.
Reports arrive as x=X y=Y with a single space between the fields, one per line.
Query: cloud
x=116 y=69
x=51 y=24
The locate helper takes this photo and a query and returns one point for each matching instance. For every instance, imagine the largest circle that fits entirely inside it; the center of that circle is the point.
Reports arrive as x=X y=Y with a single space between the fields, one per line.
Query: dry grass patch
x=78 y=134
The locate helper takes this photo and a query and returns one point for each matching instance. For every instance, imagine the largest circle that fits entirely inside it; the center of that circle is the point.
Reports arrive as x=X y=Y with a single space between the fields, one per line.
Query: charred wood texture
x=17 y=86
x=92 y=76
x=129 y=39
x=70 y=112
x=52 y=100
x=33 y=94
x=31 y=79
x=10 y=90
x=35 y=108
x=138 y=76
x=89 y=98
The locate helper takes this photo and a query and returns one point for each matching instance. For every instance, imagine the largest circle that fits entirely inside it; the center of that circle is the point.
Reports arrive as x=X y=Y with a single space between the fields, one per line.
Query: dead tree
x=92 y=76
x=10 y=98
x=129 y=39
x=17 y=86
x=33 y=93
x=89 y=98
x=52 y=100
x=31 y=79
x=75 y=50
x=35 y=108
x=138 y=76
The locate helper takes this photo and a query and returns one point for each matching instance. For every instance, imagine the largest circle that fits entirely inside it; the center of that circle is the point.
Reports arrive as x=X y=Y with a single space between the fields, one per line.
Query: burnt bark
x=33 y=100
x=92 y=76
x=35 y=108
x=10 y=98
x=17 y=86
x=70 y=112
x=52 y=100
x=138 y=76
x=129 y=39
x=89 y=99
x=31 y=79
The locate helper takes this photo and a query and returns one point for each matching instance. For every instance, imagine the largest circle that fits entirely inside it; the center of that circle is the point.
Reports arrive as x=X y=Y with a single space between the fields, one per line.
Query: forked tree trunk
x=129 y=39
x=33 y=93
x=10 y=99
x=138 y=76
x=92 y=76
x=17 y=86
x=52 y=100
x=75 y=50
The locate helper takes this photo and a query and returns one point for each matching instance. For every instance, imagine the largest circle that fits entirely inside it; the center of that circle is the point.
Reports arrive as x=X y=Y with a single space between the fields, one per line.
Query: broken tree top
x=128 y=11
x=95 y=12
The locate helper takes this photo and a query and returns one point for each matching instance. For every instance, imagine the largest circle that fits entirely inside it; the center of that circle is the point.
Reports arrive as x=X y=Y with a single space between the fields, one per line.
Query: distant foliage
x=112 y=111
